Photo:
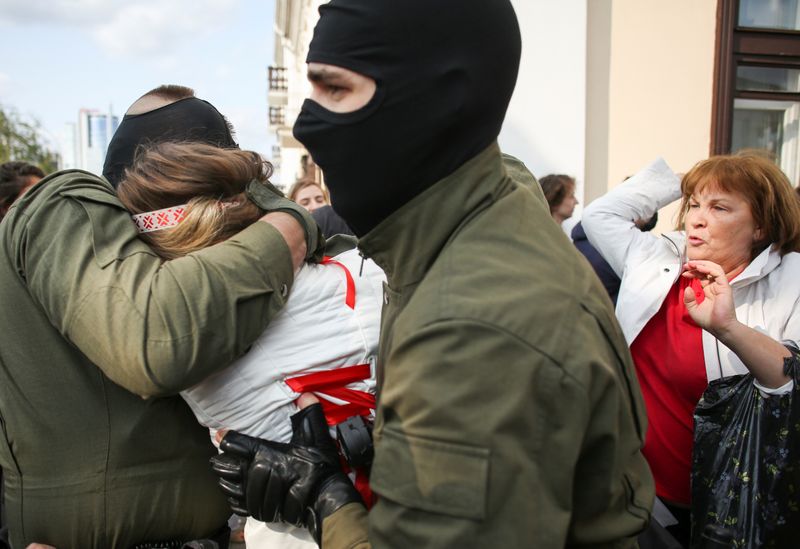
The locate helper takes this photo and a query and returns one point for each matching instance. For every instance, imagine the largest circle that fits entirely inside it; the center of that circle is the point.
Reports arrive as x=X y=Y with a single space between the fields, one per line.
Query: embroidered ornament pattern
x=159 y=219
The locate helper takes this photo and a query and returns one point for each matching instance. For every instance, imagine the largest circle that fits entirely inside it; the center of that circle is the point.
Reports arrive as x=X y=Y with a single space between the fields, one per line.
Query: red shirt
x=668 y=354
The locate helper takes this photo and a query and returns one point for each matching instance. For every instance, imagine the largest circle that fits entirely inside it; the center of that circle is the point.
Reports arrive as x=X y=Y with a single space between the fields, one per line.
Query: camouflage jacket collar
x=406 y=243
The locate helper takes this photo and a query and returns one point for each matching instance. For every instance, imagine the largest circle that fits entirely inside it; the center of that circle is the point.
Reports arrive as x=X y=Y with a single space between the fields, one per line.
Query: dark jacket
x=509 y=414
x=604 y=271
x=329 y=222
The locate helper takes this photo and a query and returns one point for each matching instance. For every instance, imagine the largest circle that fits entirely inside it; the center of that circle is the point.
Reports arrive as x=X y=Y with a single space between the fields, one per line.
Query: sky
x=58 y=56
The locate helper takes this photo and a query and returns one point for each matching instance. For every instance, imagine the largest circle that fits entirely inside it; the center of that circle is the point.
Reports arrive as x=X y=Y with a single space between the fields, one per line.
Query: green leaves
x=20 y=140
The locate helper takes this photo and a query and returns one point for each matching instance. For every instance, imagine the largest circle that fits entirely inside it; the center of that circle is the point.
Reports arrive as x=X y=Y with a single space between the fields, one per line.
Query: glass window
x=769 y=14
x=773 y=126
x=759 y=44
x=767 y=79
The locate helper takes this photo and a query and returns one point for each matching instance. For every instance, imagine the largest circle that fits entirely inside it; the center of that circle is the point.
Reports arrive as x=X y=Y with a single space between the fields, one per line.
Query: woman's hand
x=717 y=313
x=762 y=355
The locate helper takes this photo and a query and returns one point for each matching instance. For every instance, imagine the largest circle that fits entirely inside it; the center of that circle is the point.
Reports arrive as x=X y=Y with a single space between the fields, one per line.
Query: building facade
x=288 y=87
x=68 y=159
x=84 y=145
x=606 y=86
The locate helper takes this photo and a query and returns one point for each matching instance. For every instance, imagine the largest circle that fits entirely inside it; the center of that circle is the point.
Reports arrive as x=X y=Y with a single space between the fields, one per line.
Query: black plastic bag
x=746 y=462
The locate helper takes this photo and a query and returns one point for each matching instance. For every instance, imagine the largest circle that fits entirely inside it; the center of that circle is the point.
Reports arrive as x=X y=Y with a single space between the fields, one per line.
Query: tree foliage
x=20 y=139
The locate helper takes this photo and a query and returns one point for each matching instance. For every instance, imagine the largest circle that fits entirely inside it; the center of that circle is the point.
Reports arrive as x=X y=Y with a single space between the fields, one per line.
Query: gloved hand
x=267 y=197
x=300 y=483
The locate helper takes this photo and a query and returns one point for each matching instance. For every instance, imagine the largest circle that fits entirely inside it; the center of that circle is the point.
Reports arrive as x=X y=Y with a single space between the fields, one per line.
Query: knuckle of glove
x=264 y=487
x=238 y=507
x=323 y=456
x=226 y=466
x=231 y=489
x=310 y=474
x=309 y=426
x=240 y=445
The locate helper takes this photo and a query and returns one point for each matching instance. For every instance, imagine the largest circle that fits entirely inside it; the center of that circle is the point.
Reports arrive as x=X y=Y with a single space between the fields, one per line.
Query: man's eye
x=333 y=90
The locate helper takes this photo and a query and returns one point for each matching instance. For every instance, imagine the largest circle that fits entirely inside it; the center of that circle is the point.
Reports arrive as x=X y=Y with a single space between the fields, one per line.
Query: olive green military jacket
x=509 y=412
x=91 y=318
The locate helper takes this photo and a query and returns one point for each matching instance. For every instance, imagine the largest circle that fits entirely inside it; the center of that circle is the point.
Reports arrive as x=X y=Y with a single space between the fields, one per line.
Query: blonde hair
x=301 y=184
x=772 y=200
x=210 y=180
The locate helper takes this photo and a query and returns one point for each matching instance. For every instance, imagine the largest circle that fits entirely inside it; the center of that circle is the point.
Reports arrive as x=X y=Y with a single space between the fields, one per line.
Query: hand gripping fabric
x=270 y=199
x=300 y=483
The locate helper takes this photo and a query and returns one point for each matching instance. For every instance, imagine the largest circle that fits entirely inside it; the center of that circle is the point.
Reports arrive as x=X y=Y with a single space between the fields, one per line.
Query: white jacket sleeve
x=609 y=221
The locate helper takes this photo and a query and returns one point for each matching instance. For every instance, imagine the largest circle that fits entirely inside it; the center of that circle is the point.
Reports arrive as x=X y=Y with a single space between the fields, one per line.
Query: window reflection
x=768 y=79
x=769 y=14
x=770 y=125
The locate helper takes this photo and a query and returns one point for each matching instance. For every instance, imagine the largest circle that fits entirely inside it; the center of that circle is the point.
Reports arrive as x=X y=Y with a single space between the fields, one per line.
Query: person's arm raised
x=610 y=220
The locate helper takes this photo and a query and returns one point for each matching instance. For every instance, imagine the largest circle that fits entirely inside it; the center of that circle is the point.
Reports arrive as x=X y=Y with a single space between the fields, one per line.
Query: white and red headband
x=157 y=220
x=166 y=218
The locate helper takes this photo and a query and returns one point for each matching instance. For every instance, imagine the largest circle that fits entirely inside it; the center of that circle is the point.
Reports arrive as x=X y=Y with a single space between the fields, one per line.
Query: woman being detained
x=185 y=197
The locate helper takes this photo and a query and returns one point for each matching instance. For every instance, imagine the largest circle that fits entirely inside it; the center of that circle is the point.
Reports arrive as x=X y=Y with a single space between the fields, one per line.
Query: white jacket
x=315 y=331
x=765 y=294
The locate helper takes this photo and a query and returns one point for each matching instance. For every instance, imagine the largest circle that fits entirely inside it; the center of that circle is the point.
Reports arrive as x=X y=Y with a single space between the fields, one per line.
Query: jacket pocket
x=431 y=475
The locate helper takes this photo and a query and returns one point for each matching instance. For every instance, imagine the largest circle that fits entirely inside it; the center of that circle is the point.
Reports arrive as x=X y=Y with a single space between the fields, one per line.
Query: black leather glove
x=300 y=483
x=267 y=197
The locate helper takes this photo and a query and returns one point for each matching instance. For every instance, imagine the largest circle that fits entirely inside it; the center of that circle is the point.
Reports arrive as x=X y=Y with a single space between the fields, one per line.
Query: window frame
x=735 y=46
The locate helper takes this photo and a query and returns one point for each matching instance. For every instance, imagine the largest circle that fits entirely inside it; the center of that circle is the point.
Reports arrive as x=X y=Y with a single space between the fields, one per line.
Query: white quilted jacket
x=766 y=293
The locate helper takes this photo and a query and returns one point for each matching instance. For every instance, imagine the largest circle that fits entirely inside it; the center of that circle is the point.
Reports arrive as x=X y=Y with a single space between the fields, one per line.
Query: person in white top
x=186 y=197
x=715 y=299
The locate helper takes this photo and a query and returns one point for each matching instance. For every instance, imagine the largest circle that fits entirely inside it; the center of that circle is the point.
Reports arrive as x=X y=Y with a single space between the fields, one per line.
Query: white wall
x=546 y=121
x=649 y=88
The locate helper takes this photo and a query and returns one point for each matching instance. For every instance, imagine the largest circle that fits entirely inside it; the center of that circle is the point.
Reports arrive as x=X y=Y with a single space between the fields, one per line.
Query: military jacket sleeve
x=151 y=326
x=450 y=472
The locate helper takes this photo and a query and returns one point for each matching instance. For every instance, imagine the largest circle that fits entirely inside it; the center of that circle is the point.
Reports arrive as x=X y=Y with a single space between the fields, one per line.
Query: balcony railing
x=277 y=79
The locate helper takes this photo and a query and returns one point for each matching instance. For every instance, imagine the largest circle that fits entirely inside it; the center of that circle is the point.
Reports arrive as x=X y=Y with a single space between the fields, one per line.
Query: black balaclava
x=189 y=119
x=445 y=71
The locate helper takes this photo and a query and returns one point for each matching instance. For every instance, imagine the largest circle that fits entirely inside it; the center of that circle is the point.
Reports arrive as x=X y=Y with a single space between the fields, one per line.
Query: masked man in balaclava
x=166 y=113
x=509 y=413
